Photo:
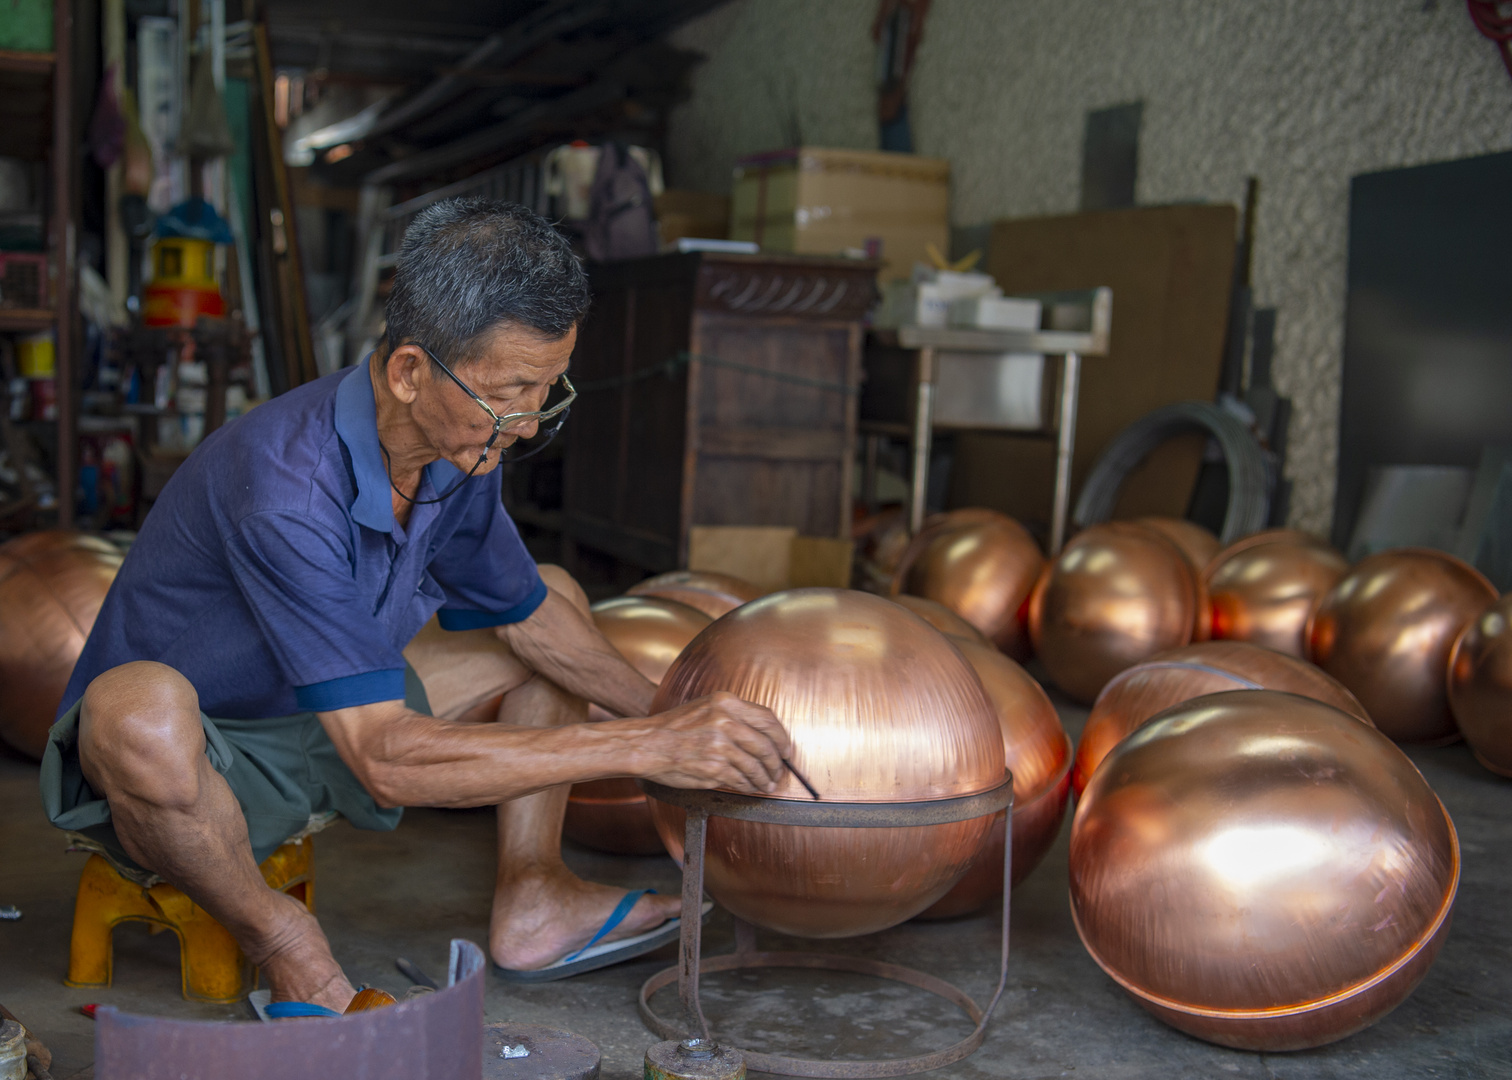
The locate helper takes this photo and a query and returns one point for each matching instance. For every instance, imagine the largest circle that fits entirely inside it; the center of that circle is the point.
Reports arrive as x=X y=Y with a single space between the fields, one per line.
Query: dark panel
x=1110 y=157
x=1428 y=325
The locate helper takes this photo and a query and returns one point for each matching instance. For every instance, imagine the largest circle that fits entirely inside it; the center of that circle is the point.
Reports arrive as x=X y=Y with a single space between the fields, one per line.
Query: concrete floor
x=385 y=895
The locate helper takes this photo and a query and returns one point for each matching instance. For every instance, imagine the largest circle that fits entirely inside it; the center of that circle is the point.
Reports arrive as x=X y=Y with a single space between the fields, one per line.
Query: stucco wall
x=1303 y=94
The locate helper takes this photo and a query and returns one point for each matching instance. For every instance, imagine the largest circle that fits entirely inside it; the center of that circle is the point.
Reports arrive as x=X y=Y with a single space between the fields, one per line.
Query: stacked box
x=832 y=202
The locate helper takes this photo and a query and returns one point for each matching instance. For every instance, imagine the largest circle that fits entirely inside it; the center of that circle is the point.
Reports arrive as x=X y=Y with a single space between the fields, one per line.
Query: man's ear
x=403 y=372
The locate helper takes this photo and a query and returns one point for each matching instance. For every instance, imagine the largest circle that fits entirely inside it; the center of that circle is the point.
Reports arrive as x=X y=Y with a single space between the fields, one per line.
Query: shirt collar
x=357 y=427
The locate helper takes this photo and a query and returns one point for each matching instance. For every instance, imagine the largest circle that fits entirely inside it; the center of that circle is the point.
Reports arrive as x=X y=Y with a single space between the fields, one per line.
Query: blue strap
x=617 y=916
x=290 y=1010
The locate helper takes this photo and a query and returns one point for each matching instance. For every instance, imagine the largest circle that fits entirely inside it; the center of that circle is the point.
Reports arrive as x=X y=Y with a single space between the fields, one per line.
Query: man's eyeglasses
x=501 y=424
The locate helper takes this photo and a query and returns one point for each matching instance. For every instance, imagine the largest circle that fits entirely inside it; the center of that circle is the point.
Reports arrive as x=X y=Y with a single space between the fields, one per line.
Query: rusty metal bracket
x=702 y=805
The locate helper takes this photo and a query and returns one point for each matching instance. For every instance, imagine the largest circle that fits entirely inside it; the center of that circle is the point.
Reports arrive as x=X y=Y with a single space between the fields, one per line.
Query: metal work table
x=1077 y=324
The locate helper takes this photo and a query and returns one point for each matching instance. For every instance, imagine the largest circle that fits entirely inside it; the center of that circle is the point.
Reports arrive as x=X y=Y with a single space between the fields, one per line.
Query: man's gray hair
x=466 y=266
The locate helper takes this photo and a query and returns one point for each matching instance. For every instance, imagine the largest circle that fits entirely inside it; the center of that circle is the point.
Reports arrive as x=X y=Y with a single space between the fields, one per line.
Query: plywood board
x=1171 y=272
x=760 y=554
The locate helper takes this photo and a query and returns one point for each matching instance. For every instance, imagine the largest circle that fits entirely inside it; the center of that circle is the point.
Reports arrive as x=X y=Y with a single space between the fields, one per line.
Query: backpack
x=621 y=218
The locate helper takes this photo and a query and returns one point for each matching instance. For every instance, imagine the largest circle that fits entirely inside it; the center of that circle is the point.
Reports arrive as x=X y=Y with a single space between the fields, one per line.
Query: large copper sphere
x=51 y=587
x=711 y=593
x=1480 y=686
x=981 y=565
x=1264 y=588
x=880 y=708
x=1134 y=696
x=941 y=618
x=1262 y=870
x=1118 y=594
x=612 y=815
x=1198 y=544
x=1039 y=756
x=1386 y=630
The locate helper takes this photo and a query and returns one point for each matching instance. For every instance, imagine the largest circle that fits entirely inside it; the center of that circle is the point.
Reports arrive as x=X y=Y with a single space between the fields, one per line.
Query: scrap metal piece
x=514 y=1051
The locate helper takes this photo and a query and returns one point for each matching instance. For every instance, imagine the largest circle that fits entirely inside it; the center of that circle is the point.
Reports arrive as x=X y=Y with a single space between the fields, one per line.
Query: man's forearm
x=420 y=760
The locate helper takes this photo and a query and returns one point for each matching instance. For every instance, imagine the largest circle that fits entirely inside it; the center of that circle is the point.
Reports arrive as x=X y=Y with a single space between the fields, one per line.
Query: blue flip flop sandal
x=599 y=953
x=269 y=1010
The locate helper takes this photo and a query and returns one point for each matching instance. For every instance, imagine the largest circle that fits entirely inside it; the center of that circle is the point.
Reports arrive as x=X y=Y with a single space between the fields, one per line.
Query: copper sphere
x=981 y=565
x=1480 y=686
x=712 y=593
x=51 y=587
x=612 y=815
x=1198 y=544
x=1134 y=696
x=1264 y=588
x=941 y=618
x=880 y=708
x=1386 y=630
x=1118 y=594
x=1039 y=756
x=1262 y=870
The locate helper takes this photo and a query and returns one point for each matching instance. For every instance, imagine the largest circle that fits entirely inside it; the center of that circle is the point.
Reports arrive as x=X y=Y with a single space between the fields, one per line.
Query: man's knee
x=139 y=727
x=560 y=581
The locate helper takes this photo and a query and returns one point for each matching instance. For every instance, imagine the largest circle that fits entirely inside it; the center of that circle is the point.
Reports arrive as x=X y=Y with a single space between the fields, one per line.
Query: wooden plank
x=772 y=443
x=653 y=553
x=38 y=63
x=762 y=555
x=821 y=561
x=1170 y=270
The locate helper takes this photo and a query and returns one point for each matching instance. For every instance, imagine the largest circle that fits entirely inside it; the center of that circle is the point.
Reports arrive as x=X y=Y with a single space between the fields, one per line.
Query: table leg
x=922 y=434
x=694 y=836
x=1065 y=445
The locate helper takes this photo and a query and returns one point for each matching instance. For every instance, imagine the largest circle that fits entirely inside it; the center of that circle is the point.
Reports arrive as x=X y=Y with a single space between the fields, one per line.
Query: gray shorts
x=284 y=771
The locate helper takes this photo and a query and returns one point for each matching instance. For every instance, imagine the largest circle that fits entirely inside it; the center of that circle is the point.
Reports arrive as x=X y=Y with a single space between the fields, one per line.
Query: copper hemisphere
x=712 y=593
x=1480 y=686
x=880 y=707
x=1118 y=594
x=1128 y=702
x=1262 y=871
x=1386 y=631
x=1038 y=752
x=1198 y=544
x=941 y=618
x=981 y=565
x=612 y=815
x=1263 y=589
x=51 y=587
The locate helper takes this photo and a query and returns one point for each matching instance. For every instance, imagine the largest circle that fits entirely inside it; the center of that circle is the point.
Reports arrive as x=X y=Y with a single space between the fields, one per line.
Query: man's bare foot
x=541 y=918
x=296 y=960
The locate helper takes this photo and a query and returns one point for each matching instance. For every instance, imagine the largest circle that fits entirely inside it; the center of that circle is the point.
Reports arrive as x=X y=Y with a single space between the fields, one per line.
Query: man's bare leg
x=541 y=910
x=142 y=747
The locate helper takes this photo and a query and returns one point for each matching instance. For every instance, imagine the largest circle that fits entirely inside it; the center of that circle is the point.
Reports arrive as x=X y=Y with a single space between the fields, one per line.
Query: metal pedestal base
x=700 y=806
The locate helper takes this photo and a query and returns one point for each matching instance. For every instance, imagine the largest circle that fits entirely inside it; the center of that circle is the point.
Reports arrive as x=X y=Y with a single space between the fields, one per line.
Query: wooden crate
x=715 y=390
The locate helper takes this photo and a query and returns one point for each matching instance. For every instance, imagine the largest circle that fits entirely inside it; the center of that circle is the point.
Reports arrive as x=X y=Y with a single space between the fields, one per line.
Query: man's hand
x=716 y=741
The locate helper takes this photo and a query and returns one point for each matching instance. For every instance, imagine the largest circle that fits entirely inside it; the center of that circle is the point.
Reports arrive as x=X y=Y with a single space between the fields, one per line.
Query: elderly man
x=269 y=653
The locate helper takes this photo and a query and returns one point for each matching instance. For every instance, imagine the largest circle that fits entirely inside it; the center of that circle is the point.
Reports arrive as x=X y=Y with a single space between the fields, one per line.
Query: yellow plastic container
x=37 y=356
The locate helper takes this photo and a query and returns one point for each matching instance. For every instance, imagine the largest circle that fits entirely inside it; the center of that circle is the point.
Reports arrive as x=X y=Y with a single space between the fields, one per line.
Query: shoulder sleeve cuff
x=469 y=619
x=351 y=690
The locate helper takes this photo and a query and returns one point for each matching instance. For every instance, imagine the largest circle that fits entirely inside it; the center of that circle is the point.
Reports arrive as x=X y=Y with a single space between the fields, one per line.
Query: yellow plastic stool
x=211 y=964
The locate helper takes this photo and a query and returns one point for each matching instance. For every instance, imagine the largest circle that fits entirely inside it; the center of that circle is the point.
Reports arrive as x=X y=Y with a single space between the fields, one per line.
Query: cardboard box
x=692 y=214
x=828 y=202
x=771 y=557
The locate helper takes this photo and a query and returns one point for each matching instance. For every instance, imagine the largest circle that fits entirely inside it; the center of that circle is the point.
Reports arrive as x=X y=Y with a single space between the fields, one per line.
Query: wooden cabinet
x=714 y=390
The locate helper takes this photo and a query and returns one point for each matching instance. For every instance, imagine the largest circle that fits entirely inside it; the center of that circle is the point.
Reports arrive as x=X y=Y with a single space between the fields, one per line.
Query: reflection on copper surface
x=611 y=815
x=1480 y=686
x=712 y=593
x=941 y=618
x=52 y=584
x=1198 y=544
x=1170 y=678
x=1264 y=588
x=1386 y=631
x=1262 y=870
x=1118 y=594
x=981 y=565
x=880 y=708
x=1039 y=756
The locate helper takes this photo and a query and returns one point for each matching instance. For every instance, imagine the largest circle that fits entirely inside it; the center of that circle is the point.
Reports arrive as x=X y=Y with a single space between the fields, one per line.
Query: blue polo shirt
x=272 y=573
